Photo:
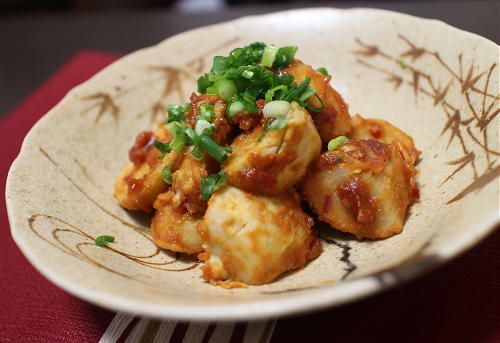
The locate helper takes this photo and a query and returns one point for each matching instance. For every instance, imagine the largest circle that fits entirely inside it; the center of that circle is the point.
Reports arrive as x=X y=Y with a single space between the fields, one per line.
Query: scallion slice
x=177 y=130
x=280 y=92
x=276 y=109
x=212 y=183
x=225 y=89
x=323 y=71
x=308 y=92
x=241 y=102
x=163 y=147
x=317 y=109
x=285 y=55
x=177 y=112
x=103 y=240
x=269 y=55
x=191 y=135
x=166 y=174
x=204 y=127
x=247 y=74
x=336 y=142
x=195 y=152
x=207 y=144
x=235 y=108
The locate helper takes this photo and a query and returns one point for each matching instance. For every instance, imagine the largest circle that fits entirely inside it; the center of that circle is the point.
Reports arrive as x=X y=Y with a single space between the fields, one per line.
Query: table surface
x=34 y=46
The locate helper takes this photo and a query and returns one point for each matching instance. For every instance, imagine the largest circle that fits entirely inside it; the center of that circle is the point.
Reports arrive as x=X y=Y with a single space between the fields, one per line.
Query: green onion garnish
x=299 y=91
x=235 y=108
x=212 y=183
x=203 y=83
x=403 y=64
x=317 y=109
x=225 y=88
x=177 y=130
x=206 y=112
x=211 y=90
x=280 y=90
x=276 y=109
x=285 y=56
x=241 y=102
x=323 y=71
x=103 y=240
x=336 y=142
x=204 y=127
x=276 y=124
x=269 y=55
x=196 y=152
x=177 y=112
x=166 y=173
x=308 y=92
x=163 y=147
x=208 y=145
x=191 y=135
x=247 y=74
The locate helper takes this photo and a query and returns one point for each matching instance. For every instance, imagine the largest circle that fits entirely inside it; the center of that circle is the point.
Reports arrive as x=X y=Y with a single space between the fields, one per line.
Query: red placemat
x=457 y=303
x=31 y=308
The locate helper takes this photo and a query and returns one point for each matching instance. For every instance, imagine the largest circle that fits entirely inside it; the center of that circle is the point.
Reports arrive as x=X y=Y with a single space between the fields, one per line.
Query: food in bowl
x=226 y=173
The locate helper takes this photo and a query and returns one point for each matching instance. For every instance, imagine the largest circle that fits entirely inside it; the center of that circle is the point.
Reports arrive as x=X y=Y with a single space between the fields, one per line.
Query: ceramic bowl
x=437 y=83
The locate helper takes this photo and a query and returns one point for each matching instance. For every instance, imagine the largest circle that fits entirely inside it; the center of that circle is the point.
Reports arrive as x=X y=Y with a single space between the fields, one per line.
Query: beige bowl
x=435 y=82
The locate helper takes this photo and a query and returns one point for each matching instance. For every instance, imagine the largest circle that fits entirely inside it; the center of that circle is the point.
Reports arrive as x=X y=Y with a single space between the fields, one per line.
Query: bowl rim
x=299 y=302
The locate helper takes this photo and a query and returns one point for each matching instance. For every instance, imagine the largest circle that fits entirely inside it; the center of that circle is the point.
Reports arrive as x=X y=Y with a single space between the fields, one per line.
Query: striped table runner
x=126 y=328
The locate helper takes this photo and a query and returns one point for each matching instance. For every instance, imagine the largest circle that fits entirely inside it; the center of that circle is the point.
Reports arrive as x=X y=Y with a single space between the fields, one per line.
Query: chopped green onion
x=204 y=127
x=206 y=143
x=103 y=240
x=220 y=64
x=178 y=143
x=323 y=71
x=247 y=74
x=191 y=135
x=270 y=94
x=195 y=152
x=211 y=147
x=309 y=92
x=225 y=89
x=269 y=55
x=163 y=147
x=276 y=108
x=297 y=92
x=317 y=109
x=241 y=102
x=276 y=124
x=206 y=112
x=177 y=112
x=403 y=64
x=177 y=130
x=235 y=108
x=212 y=183
x=203 y=83
x=285 y=55
x=204 y=108
x=336 y=142
x=302 y=87
x=166 y=174
x=211 y=90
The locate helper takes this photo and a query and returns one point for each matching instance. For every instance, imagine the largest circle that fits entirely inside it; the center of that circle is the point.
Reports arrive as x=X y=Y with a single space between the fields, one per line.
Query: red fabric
x=457 y=303
x=31 y=308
